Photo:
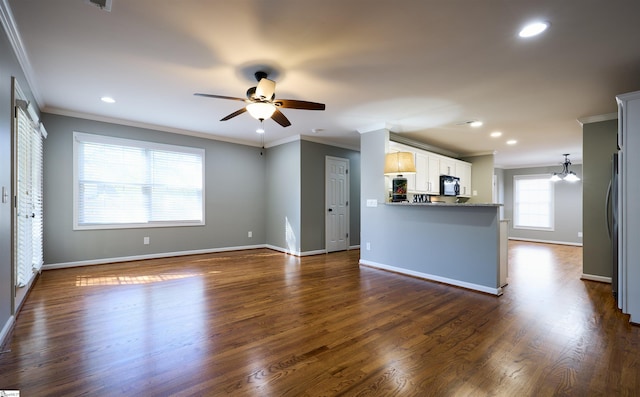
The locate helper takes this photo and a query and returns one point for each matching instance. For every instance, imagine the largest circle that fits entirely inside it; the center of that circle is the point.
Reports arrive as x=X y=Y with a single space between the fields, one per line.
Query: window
x=122 y=183
x=533 y=202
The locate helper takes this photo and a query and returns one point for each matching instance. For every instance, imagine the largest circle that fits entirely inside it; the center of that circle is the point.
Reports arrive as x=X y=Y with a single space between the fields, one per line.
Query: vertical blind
x=29 y=198
x=127 y=183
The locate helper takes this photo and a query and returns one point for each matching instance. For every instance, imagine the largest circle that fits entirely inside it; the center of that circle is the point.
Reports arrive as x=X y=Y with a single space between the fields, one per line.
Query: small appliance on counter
x=449 y=185
x=421 y=198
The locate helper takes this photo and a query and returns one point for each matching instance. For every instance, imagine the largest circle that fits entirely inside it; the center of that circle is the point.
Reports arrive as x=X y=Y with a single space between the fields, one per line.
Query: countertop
x=439 y=204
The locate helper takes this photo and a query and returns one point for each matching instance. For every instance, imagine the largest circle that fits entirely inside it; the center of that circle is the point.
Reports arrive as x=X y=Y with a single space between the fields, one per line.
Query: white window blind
x=533 y=202
x=29 y=197
x=121 y=183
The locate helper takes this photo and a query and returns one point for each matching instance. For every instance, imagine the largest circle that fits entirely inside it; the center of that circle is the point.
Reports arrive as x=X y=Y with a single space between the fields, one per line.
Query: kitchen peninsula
x=457 y=244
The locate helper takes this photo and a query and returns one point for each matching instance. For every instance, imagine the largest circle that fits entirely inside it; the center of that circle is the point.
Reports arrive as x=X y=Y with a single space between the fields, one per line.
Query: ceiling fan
x=262 y=103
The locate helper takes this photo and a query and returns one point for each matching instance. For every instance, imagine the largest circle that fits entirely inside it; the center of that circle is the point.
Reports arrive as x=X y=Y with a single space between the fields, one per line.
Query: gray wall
x=283 y=196
x=568 y=206
x=313 y=193
x=235 y=184
x=481 y=178
x=295 y=195
x=599 y=142
x=422 y=239
x=9 y=67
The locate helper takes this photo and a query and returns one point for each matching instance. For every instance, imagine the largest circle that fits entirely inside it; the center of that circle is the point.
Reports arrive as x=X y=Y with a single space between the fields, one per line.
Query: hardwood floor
x=262 y=323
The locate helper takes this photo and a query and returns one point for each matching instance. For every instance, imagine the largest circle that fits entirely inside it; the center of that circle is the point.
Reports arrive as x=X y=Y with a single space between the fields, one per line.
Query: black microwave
x=449 y=185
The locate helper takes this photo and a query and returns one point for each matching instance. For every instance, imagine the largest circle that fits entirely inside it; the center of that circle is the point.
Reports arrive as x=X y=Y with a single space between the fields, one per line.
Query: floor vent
x=103 y=4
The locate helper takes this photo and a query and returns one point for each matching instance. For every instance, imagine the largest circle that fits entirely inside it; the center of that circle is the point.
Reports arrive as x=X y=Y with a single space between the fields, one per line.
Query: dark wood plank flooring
x=262 y=323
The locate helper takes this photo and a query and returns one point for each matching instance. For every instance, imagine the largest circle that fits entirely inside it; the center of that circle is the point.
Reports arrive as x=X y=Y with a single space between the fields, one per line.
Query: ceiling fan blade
x=266 y=88
x=294 y=104
x=280 y=118
x=220 y=97
x=234 y=114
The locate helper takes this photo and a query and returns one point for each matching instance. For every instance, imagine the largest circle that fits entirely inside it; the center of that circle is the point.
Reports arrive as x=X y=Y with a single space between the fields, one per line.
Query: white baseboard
x=593 y=277
x=103 y=261
x=4 y=334
x=354 y=247
x=533 y=240
x=295 y=253
x=431 y=277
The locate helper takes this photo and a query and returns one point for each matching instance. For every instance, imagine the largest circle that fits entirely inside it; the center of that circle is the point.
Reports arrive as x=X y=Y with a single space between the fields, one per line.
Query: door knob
x=330 y=209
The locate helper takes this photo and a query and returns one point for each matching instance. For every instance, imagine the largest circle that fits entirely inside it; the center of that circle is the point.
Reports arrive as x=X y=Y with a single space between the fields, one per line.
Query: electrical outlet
x=146 y=240
x=579 y=234
x=250 y=234
x=368 y=246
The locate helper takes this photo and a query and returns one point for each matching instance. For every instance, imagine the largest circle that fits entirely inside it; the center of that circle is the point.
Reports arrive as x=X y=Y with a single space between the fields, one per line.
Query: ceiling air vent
x=103 y=4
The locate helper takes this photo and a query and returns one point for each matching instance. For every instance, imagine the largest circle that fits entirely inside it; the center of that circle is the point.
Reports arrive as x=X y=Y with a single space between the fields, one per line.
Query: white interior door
x=337 y=204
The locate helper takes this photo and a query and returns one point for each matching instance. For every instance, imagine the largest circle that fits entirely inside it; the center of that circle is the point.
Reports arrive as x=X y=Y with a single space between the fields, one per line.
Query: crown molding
x=320 y=140
x=395 y=137
x=137 y=124
x=484 y=153
x=13 y=35
x=597 y=118
x=328 y=142
x=282 y=141
x=538 y=165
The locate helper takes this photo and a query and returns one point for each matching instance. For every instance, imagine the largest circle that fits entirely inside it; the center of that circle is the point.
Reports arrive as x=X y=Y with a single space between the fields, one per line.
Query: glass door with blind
x=28 y=200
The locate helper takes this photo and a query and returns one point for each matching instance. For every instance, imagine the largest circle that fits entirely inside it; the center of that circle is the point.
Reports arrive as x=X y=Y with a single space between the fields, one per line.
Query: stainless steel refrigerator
x=613 y=216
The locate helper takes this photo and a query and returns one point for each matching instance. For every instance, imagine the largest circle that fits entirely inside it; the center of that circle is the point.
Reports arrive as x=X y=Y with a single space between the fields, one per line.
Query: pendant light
x=565 y=175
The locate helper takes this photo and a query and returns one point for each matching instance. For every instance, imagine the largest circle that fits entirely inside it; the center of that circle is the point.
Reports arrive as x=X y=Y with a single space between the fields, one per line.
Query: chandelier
x=565 y=175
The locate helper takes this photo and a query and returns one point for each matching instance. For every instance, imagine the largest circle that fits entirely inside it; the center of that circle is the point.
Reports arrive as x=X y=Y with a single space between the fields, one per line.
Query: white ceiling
x=417 y=67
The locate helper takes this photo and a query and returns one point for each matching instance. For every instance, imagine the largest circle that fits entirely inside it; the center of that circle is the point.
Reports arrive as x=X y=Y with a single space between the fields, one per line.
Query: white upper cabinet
x=463 y=171
x=429 y=167
x=422 y=173
x=447 y=166
x=434 y=175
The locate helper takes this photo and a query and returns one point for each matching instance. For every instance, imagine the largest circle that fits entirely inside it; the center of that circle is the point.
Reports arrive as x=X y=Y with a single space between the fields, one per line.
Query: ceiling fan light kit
x=262 y=104
x=261 y=110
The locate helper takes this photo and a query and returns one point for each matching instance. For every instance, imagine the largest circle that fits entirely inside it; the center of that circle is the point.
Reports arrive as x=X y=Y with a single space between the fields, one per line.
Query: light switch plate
x=372 y=203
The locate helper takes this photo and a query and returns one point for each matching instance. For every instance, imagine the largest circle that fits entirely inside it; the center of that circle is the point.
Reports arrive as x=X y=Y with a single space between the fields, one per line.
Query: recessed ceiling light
x=496 y=134
x=260 y=130
x=476 y=124
x=107 y=99
x=512 y=142
x=533 y=29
